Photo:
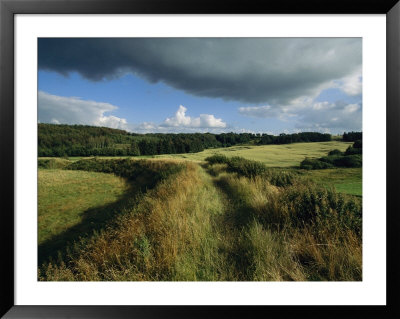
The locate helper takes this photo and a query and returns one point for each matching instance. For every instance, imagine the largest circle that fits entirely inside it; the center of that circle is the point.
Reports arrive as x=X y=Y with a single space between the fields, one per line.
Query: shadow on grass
x=239 y=214
x=93 y=220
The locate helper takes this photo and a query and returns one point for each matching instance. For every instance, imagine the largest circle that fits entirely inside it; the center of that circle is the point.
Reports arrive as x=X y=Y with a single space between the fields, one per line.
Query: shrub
x=246 y=167
x=351 y=158
x=357 y=144
x=349 y=161
x=353 y=151
x=251 y=169
x=280 y=178
x=217 y=159
x=153 y=171
x=53 y=163
x=330 y=159
x=335 y=152
x=301 y=205
x=309 y=163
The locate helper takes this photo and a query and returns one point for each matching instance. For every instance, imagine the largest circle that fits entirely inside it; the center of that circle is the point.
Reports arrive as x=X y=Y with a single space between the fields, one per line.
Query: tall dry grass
x=297 y=232
x=169 y=235
x=211 y=224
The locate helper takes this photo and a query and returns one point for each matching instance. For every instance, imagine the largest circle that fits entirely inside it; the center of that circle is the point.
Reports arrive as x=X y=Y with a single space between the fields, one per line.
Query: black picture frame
x=8 y=8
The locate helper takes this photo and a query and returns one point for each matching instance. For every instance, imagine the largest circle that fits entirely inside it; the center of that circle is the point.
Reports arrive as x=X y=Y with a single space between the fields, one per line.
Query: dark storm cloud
x=273 y=70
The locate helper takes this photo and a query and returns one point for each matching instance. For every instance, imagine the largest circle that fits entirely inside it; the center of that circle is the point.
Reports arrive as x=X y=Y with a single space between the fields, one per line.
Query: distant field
x=272 y=155
x=64 y=196
x=344 y=180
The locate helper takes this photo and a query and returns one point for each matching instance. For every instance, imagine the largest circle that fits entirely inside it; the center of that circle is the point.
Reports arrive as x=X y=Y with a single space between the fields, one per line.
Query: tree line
x=58 y=140
x=302 y=137
x=81 y=140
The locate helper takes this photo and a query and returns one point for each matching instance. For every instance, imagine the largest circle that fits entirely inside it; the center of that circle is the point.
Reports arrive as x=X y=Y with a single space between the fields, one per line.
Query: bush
x=217 y=159
x=349 y=161
x=302 y=205
x=251 y=169
x=131 y=169
x=343 y=161
x=246 y=167
x=309 y=163
x=357 y=144
x=280 y=178
x=351 y=158
x=335 y=152
x=330 y=159
x=351 y=150
x=53 y=163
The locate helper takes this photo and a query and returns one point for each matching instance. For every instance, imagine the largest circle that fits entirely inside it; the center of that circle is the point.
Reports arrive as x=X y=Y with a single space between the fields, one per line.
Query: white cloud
x=181 y=123
x=266 y=111
x=111 y=121
x=328 y=117
x=351 y=108
x=73 y=110
x=144 y=127
x=310 y=115
x=203 y=121
x=351 y=84
x=180 y=118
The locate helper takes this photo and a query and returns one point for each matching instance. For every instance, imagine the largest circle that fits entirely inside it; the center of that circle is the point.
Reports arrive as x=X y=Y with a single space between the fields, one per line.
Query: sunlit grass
x=344 y=180
x=272 y=155
x=206 y=223
x=64 y=196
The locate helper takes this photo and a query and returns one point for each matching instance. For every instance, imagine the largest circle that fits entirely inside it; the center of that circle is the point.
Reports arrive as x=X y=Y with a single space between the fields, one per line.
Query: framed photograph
x=175 y=159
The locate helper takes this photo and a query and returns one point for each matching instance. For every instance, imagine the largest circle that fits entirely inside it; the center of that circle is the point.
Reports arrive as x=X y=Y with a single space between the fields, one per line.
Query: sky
x=174 y=85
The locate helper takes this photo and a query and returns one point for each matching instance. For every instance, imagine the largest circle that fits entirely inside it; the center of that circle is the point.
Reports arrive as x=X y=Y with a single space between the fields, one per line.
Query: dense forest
x=352 y=136
x=82 y=140
x=294 y=138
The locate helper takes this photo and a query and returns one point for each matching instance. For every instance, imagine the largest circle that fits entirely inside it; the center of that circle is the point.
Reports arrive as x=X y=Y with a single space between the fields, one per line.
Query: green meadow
x=65 y=196
x=286 y=155
x=344 y=180
x=271 y=155
x=243 y=213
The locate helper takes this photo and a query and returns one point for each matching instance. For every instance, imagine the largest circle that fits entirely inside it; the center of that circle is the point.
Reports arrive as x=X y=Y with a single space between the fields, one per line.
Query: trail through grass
x=207 y=223
x=298 y=232
x=347 y=181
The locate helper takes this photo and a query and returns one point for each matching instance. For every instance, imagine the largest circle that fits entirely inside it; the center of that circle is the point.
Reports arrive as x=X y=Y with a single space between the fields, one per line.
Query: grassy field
x=348 y=181
x=66 y=195
x=344 y=180
x=200 y=223
x=271 y=155
x=70 y=202
x=184 y=218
